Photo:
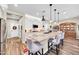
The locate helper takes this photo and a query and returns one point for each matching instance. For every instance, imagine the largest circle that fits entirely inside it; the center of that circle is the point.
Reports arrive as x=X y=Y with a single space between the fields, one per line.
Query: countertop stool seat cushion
x=55 y=42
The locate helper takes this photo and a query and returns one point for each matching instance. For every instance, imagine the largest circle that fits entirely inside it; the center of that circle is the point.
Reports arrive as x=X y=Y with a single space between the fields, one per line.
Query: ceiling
x=65 y=10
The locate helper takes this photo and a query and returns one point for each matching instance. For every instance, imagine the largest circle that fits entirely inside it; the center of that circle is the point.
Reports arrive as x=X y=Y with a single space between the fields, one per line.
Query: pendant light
x=50 y=11
x=58 y=15
x=43 y=15
x=54 y=14
x=43 y=18
x=50 y=28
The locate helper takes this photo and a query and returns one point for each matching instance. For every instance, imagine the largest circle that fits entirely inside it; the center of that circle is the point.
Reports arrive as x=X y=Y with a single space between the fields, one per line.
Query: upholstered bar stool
x=34 y=47
x=54 y=44
x=50 y=44
x=62 y=38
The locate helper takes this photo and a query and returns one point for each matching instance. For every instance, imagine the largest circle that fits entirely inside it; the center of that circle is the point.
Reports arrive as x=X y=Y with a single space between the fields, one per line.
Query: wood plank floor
x=71 y=47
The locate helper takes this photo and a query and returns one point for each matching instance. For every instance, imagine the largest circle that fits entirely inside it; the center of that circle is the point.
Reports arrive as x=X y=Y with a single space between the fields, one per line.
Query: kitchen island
x=42 y=38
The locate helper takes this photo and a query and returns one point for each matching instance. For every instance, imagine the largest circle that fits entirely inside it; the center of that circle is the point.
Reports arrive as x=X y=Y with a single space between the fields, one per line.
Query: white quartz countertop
x=40 y=36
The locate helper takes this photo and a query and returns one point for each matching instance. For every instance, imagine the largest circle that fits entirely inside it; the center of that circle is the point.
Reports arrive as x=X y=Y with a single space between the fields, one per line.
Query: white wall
x=30 y=21
x=9 y=28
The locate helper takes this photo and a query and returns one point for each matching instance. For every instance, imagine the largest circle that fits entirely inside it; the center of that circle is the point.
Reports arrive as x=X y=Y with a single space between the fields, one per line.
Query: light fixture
x=43 y=19
x=50 y=4
x=50 y=11
x=16 y=5
x=54 y=9
x=58 y=15
x=43 y=15
x=55 y=14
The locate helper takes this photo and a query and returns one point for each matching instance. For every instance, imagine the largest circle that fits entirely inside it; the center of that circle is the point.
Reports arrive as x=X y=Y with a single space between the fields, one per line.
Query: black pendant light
x=55 y=14
x=50 y=11
x=43 y=15
x=54 y=9
x=58 y=15
x=50 y=4
x=43 y=19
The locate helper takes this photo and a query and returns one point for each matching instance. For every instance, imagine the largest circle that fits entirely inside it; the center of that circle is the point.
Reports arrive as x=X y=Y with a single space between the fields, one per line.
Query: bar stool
x=34 y=47
x=54 y=44
x=62 y=38
x=50 y=44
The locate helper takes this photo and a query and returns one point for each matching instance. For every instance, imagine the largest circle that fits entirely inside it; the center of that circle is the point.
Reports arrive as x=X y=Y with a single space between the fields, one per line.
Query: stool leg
x=36 y=53
x=28 y=52
x=57 y=49
x=42 y=51
x=48 y=47
x=32 y=53
x=62 y=42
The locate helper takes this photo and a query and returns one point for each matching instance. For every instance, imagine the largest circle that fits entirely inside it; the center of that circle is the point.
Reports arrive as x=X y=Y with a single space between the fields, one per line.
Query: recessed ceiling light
x=16 y=5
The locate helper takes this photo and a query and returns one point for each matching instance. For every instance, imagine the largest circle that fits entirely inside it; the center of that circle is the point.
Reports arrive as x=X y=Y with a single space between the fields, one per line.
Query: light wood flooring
x=71 y=47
